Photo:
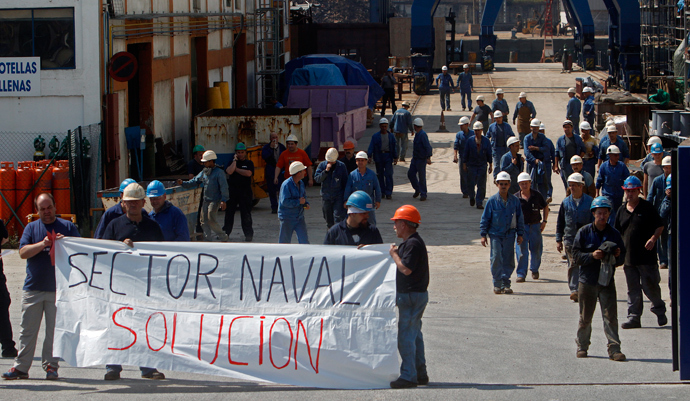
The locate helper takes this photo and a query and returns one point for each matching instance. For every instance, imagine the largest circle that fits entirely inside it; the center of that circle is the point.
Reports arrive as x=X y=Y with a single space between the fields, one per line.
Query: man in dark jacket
x=355 y=230
x=270 y=153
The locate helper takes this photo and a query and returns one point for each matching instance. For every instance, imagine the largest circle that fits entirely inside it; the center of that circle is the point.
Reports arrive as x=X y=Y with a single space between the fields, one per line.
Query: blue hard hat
x=601 y=201
x=668 y=182
x=390 y=69
x=632 y=182
x=361 y=200
x=657 y=148
x=155 y=189
x=124 y=184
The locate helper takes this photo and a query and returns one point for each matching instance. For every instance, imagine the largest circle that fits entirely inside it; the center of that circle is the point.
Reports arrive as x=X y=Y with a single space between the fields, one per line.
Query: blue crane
x=624 y=43
x=422 y=45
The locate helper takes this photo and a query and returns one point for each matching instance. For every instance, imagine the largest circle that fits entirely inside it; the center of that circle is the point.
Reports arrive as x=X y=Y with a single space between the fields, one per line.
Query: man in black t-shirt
x=240 y=173
x=412 y=280
x=640 y=226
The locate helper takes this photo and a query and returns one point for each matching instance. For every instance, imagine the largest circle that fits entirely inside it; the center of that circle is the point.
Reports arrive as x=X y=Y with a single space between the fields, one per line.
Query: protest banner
x=306 y=315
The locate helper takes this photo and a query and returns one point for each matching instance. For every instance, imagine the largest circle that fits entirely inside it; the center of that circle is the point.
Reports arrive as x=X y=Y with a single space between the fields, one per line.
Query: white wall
x=69 y=98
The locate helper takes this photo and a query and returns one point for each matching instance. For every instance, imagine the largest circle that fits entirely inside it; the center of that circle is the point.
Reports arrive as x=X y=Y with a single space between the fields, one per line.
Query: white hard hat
x=585 y=125
x=489 y=48
x=666 y=161
x=480 y=97
x=587 y=89
x=512 y=140
x=522 y=94
x=133 y=191
x=208 y=156
x=464 y=120
x=612 y=128
x=503 y=176
x=444 y=68
x=418 y=122
x=524 y=177
x=542 y=126
x=653 y=139
x=332 y=155
x=361 y=155
x=478 y=126
x=534 y=123
x=567 y=122
x=466 y=66
x=499 y=91
x=571 y=90
x=405 y=103
x=577 y=178
x=498 y=113
x=292 y=138
x=613 y=149
x=296 y=167
x=383 y=121
x=575 y=159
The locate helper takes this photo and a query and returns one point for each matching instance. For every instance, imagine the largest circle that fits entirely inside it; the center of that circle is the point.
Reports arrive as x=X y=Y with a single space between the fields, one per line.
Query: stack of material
x=339 y=11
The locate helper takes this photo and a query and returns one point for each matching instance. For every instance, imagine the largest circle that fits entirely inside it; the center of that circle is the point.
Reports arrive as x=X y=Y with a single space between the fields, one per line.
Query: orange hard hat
x=348 y=145
x=409 y=213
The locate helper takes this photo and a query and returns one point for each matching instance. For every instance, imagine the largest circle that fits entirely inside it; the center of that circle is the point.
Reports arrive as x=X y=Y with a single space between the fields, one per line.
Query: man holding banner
x=412 y=280
x=36 y=246
x=355 y=230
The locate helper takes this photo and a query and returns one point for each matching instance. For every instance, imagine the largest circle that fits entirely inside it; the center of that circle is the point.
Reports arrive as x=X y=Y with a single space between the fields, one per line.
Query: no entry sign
x=123 y=66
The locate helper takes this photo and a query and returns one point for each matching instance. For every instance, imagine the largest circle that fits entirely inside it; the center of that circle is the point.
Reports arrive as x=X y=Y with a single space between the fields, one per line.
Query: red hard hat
x=409 y=213
x=348 y=145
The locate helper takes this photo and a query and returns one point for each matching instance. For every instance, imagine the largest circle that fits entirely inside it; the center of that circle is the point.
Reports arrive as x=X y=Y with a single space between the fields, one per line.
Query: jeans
x=417 y=168
x=384 y=172
x=444 y=93
x=5 y=323
x=118 y=369
x=531 y=244
x=587 y=298
x=466 y=95
x=463 y=179
x=497 y=154
x=566 y=171
x=209 y=212
x=36 y=304
x=333 y=211
x=401 y=141
x=573 y=268
x=502 y=261
x=542 y=182
x=388 y=95
x=299 y=226
x=662 y=248
x=410 y=339
x=243 y=201
x=476 y=177
x=643 y=278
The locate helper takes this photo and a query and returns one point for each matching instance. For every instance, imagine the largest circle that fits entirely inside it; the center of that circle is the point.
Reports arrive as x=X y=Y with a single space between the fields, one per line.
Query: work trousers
x=502 y=259
x=384 y=172
x=333 y=210
x=532 y=245
x=643 y=278
x=587 y=297
x=541 y=182
x=417 y=169
x=209 y=212
x=5 y=324
x=662 y=248
x=118 y=369
x=444 y=94
x=466 y=95
x=35 y=305
x=463 y=178
x=497 y=153
x=590 y=166
x=573 y=268
x=288 y=226
x=273 y=189
x=401 y=141
x=388 y=95
x=411 y=307
x=239 y=199
x=476 y=177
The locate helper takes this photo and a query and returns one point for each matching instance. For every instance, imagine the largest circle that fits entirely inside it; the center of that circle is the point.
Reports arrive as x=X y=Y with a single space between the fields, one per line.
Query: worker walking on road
x=613 y=139
x=524 y=113
x=363 y=179
x=402 y=124
x=539 y=159
x=240 y=171
x=598 y=246
x=383 y=149
x=388 y=83
x=591 y=157
x=466 y=84
x=513 y=164
x=475 y=160
x=349 y=157
x=567 y=146
x=657 y=195
x=445 y=84
x=612 y=175
x=482 y=113
x=172 y=220
x=502 y=220
x=271 y=153
x=499 y=132
x=355 y=230
x=652 y=169
x=293 y=154
x=332 y=175
x=573 y=214
x=500 y=104
x=529 y=252
x=421 y=156
x=589 y=188
x=573 y=110
x=292 y=204
x=459 y=150
x=640 y=226
x=412 y=280
x=589 y=114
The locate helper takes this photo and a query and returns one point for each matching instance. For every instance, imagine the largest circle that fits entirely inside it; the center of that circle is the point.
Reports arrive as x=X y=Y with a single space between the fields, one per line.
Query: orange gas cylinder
x=25 y=180
x=45 y=183
x=8 y=180
x=61 y=189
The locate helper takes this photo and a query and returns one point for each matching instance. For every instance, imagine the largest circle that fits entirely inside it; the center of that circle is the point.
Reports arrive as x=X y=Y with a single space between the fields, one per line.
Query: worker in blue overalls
x=588 y=112
x=476 y=157
x=612 y=175
x=498 y=133
x=383 y=150
x=466 y=84
x=445 y=87
x=538 y=157
x=572 y=110
x=421 y=157
x=459 y=150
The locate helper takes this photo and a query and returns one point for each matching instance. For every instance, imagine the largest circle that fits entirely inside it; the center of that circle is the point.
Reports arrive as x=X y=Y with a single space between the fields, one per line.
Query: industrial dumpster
x=339 y=113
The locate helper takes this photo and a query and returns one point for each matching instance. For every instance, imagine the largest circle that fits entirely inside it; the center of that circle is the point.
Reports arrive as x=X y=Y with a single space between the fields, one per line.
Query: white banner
x=20 y=76
x=306 y=315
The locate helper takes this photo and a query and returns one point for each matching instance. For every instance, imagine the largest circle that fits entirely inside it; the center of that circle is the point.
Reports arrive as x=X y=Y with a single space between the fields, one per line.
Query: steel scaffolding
x=269 y=25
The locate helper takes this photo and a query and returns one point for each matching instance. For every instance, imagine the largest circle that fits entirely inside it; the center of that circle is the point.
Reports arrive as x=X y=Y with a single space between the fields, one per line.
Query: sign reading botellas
x=20 y=76
x=306 y=315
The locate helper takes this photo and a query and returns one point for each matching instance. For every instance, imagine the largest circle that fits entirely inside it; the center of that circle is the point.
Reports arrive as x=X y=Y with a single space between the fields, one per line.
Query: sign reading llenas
x=20 y=76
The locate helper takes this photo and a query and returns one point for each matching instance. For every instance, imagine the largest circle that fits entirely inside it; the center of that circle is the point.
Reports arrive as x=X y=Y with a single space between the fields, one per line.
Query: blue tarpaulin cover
x=317 y=75
x=353 y=72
